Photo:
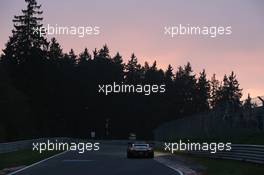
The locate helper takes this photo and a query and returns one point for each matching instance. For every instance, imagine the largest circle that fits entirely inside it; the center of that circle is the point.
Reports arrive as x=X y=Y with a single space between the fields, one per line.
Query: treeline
x=46 y=92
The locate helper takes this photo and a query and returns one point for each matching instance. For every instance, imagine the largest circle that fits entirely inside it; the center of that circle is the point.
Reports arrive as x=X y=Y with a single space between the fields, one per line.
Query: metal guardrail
x=241 y=152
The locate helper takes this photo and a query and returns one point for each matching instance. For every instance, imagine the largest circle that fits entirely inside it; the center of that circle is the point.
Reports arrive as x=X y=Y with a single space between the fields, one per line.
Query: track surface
x=109 y=160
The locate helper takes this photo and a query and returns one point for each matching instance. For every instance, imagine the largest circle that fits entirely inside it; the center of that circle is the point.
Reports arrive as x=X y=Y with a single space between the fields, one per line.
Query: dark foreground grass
x=221 y=166
x=228 y=167
x=23 y=157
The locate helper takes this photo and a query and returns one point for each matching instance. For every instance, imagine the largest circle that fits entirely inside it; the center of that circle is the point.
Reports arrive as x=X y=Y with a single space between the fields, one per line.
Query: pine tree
x=26 y=51
x=26 y=35
x=179 y=73
x=229 y=94
x=236 y=92
x=154 y=66
x=185 y=87
x=95 y=53
x=118 y=67
x=55 y=52
x=84 y=57
x=152 y=75
x=214 y=87
x=248 y=105
x=133 y=70
x=169 y=76
x=203 y=94
x=104 y=52
x=146 y=66
x=117 y=59
x=69 y=61
x=72 y=56
x=188 y=69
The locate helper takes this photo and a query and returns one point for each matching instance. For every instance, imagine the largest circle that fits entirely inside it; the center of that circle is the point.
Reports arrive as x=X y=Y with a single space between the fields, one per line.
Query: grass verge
x=23 y=157
x=226 y=167
x=221 y=166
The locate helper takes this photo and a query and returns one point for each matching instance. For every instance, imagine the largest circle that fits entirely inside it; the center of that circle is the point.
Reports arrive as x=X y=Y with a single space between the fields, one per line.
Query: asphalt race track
x=110 y=160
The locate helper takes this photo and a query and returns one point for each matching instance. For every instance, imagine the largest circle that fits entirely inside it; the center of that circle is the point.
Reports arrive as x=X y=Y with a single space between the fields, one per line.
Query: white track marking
x=169 y=166
x=34 y=164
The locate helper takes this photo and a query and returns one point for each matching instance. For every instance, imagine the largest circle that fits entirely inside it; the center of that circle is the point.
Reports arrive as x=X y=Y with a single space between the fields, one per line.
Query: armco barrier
x=242 y=152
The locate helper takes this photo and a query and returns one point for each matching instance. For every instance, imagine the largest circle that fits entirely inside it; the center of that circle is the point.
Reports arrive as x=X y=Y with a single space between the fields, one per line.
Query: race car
x=140 y=149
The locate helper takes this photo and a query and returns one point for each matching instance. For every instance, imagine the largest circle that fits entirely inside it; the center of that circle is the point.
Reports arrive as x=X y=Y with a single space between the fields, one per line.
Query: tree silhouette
x=46 y=92
x=229 y=93
x=84 y=57
x=169 y=76
x=248 y=105
x=118 y=68
x=25 y=34
x=214 y=84
x=185 y=87
x=203 y=93
x=133 y=70
x=55 y=53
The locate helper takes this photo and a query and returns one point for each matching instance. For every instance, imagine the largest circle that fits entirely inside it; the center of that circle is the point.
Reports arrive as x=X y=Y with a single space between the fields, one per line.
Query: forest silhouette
x=46 y=92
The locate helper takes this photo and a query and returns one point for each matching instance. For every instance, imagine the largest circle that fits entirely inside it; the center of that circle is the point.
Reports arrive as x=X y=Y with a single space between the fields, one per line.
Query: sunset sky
x=138 y=26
